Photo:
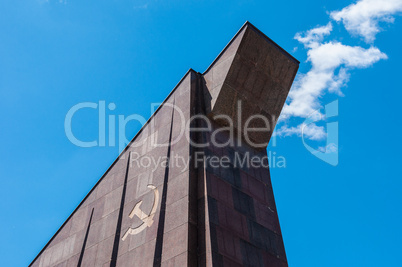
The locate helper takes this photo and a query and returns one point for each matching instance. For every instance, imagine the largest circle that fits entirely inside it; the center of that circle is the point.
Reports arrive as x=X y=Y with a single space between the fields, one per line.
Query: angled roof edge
x=247 y=23
x=111 y=166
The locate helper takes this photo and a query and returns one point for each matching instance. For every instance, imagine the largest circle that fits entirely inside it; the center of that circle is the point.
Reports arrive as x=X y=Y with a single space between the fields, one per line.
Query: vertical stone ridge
x=162 y=211
x=120 y=218
x=203 y=235
x=85 y=240
x=193 y=218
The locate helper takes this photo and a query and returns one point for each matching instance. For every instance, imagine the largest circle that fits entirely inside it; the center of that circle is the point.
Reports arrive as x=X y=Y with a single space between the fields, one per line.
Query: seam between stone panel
x=203 y=229
x=162 y=211
x=85 y=240
x=116 y=242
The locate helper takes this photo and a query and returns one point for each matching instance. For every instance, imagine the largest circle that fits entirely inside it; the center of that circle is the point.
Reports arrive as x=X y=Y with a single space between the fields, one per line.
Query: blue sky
x=56 y=54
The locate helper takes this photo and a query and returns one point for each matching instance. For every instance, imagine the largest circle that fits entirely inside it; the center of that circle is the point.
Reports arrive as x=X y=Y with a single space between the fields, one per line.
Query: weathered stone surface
x=256 y=72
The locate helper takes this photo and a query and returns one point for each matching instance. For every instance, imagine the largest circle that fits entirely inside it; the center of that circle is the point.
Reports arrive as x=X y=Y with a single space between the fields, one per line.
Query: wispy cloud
x=330 y=66
x=313 y=37
x=363 y=17
x=310 y=131
x=330 y=148
x=331 y=61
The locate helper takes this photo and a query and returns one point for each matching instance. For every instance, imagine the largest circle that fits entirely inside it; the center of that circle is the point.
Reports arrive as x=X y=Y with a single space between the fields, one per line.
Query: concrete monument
x=193 y=186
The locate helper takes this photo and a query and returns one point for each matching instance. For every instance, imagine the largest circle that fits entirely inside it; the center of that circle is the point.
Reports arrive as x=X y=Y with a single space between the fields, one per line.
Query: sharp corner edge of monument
x=193 y=187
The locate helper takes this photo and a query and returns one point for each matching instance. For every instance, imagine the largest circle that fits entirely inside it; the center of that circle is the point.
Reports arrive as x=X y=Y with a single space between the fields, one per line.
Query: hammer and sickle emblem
x=147 y=220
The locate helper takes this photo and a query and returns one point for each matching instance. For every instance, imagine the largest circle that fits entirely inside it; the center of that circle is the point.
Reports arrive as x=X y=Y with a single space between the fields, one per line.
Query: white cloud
x=330 y=63
x=308 y=131
x=314 y=36
x=363 y=17
x=330 y=148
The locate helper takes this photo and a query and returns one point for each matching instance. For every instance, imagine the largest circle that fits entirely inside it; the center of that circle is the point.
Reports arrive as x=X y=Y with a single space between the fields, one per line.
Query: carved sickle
x=146 y=219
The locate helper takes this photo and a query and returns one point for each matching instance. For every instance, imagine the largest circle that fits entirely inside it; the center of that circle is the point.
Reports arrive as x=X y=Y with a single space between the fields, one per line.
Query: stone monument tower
x=193 y=186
